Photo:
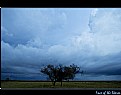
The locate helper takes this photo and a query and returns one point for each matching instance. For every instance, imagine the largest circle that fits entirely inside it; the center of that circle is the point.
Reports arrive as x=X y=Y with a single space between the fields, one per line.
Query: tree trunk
x=54 y=83
x=61 y=83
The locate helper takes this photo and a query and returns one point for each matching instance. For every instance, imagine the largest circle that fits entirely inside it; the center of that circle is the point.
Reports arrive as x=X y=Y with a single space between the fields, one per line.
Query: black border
x=47 y=92
x=61 y=3
x=60 y=92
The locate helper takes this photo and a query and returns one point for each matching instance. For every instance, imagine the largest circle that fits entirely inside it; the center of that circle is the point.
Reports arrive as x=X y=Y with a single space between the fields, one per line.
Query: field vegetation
x=70 y=84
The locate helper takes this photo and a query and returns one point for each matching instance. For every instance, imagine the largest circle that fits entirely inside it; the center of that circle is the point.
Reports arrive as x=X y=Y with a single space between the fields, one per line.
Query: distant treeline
x=63 y=81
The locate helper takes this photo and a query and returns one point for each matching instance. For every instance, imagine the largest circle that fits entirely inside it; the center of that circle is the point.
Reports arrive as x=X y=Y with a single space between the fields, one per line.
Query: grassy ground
x=20 y=84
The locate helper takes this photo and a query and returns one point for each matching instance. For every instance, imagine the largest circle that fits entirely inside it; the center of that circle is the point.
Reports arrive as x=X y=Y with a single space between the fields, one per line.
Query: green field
x=29 y=84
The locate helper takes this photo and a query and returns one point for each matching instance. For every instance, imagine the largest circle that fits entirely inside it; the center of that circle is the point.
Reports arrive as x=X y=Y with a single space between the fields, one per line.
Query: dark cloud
x=32 y=38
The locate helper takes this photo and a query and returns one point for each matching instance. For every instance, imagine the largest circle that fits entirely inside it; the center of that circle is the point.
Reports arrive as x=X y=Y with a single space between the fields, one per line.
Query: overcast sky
x=87 y=37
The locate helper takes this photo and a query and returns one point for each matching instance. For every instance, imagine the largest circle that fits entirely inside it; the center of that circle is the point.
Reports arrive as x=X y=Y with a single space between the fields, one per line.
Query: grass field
x=29 y=84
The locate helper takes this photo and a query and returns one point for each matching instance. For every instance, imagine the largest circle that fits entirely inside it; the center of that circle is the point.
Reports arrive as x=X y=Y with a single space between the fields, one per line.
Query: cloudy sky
x=34 y=37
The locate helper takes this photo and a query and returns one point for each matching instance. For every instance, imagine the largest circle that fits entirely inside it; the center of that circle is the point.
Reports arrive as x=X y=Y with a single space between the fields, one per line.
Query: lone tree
x=60 y=73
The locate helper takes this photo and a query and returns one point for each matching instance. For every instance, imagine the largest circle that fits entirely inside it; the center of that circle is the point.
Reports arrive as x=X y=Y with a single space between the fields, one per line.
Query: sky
x=34 y=37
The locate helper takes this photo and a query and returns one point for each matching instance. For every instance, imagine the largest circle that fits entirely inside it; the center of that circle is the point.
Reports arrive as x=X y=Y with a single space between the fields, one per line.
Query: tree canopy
x=60 y=72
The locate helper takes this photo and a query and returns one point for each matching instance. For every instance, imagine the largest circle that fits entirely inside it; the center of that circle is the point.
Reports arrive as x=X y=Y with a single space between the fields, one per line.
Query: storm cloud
x=34 y=37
